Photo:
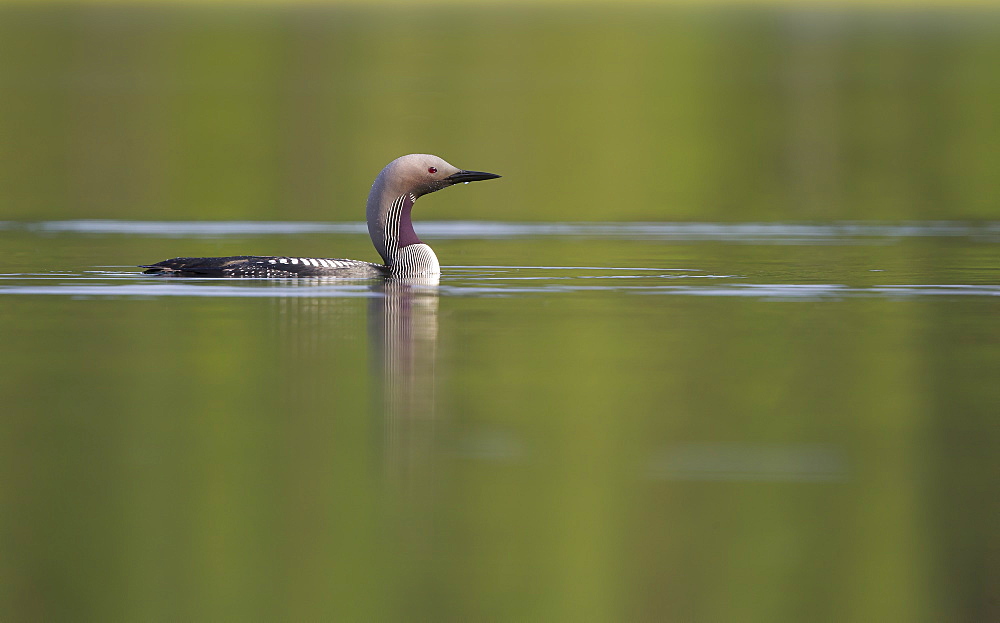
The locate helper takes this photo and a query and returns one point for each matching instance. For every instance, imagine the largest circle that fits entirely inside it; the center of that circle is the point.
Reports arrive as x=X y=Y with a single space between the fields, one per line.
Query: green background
x=593 y=112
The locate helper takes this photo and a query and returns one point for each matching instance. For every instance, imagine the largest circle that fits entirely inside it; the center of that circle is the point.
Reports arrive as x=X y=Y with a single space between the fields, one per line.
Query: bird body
x=266 y=266
x=390 y=202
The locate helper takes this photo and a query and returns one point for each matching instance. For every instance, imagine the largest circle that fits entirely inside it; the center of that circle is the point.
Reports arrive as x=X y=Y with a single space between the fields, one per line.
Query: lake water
x=579 y=421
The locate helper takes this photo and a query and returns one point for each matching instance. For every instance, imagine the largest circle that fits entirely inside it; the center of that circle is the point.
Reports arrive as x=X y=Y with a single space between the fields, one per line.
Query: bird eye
x=432 y=170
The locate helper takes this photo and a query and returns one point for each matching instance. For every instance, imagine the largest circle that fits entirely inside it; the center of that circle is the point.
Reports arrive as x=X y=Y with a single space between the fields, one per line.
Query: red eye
x=432 y=170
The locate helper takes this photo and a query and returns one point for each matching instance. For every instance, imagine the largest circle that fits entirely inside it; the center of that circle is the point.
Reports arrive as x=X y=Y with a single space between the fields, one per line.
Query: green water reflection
x=412 y=452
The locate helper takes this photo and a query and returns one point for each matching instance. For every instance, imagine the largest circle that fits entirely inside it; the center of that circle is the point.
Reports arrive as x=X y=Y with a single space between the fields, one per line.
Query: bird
x=393 y=193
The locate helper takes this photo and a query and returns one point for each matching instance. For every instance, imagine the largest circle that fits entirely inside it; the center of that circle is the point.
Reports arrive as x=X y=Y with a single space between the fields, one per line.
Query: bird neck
x=413 y=260
x=391 y=229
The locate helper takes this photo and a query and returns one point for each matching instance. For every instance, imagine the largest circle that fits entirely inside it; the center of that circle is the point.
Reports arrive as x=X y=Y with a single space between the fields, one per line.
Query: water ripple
x=475 y=281
x=800 y=274
x=839 y=232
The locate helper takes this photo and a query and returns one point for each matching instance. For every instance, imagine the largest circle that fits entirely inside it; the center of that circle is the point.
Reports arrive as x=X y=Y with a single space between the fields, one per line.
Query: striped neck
x=392 y=233
x=413 y=260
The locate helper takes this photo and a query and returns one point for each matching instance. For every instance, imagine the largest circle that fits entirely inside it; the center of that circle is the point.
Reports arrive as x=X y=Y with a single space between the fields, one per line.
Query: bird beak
x=469 y=176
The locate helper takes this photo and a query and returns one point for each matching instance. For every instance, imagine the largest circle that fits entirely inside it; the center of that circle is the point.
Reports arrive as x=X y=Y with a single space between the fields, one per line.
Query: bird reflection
x=403 y=332
x=320 y=319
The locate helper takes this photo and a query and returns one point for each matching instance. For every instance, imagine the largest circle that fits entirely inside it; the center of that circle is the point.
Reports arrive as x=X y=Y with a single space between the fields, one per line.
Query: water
x=721 y=345
x=577 y=422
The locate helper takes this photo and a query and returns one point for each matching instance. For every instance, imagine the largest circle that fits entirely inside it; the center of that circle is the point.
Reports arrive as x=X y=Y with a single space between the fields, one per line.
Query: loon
x=390 y=201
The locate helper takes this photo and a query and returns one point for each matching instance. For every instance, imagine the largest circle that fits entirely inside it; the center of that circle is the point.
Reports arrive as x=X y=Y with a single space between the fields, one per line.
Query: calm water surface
x=580 y=421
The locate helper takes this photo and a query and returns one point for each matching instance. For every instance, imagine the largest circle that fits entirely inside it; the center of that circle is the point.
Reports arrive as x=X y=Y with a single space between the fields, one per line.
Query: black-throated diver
x=390 y=201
